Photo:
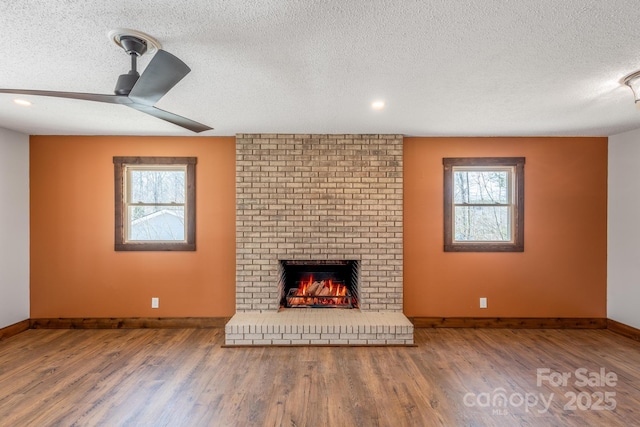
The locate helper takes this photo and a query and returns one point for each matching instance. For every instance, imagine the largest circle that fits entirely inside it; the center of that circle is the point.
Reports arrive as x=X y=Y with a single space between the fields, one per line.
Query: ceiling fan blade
x=163 y=72
x=110 y=99
x=170 y=117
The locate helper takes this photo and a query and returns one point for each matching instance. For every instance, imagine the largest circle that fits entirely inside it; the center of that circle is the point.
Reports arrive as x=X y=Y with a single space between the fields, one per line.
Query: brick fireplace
x=319 y=197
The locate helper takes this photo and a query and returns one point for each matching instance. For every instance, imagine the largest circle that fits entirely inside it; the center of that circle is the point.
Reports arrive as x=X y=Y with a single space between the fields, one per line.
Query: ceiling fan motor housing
x=125 y=82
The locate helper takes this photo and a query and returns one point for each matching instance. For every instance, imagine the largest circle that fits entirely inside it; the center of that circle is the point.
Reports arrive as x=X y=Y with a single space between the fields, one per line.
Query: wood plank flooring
x=183 y=377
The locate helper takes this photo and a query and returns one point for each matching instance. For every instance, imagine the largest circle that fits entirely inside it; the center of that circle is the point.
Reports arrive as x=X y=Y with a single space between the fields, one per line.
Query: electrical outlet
x=155 y=302
x=483 y=303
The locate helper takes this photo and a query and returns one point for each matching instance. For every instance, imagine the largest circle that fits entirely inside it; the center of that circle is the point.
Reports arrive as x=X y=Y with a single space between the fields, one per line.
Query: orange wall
x=75 y=271
x=561 y=273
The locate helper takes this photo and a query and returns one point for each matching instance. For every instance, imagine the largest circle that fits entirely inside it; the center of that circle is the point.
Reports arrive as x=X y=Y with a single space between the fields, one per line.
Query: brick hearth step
x=318 y=327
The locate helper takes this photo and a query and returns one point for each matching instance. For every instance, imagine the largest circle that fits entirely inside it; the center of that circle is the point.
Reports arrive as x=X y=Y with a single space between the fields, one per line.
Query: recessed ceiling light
x=377 y=105
x=22 y=102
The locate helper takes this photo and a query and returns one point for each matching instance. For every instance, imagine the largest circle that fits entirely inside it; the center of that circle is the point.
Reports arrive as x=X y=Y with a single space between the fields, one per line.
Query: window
x=484 y=204
x=155 y=203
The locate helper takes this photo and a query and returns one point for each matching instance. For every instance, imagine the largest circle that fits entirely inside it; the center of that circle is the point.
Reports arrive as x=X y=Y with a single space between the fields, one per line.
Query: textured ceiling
x=443 y=67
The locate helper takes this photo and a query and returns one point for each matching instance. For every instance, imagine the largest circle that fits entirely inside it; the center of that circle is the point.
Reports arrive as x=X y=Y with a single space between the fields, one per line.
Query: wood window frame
x=121 y=244
x=517 y=245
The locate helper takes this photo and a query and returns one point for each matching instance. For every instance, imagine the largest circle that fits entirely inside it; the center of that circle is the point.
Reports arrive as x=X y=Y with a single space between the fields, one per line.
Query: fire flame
x=313 y=292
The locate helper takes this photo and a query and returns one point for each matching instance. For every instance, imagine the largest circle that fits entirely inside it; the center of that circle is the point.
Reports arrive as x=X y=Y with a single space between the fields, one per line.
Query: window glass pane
x=480 y=187
x=157 y=186
x=156 y=223
x=482 y=223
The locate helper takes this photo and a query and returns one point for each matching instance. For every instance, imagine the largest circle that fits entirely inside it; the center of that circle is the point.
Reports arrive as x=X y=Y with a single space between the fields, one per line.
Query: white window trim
x=511 y=171
x=128 y=203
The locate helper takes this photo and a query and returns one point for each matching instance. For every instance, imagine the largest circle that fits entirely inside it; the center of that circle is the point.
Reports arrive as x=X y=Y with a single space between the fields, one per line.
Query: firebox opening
x=319 y=283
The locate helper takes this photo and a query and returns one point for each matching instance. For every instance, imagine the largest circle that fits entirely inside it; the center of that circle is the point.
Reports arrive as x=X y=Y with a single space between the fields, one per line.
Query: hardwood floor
x=454 y=377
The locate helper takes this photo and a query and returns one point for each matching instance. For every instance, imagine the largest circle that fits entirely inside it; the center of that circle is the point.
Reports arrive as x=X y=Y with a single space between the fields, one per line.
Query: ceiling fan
x=133 y=90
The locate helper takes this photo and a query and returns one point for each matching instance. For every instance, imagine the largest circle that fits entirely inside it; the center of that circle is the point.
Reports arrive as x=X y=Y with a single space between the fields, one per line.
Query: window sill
x=155 y=247
x=484 y=247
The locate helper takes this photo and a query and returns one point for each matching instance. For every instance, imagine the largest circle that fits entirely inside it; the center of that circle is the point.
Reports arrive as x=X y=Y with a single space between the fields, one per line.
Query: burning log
x=295 y=301
x=315 y=288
